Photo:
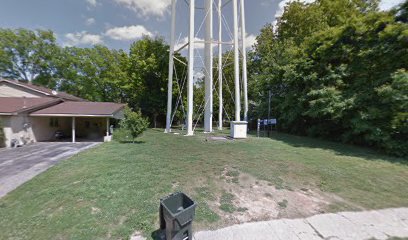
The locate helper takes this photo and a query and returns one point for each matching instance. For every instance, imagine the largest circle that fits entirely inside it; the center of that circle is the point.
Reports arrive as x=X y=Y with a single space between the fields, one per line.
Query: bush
x=133 y=125
x=122 y=135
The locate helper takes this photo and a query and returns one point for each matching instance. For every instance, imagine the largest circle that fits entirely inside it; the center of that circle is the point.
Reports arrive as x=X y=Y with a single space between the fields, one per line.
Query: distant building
x=32 y=113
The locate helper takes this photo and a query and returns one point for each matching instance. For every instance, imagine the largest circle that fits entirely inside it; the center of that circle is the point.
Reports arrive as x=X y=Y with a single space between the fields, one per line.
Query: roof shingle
x=81 y=109
x=15 y=105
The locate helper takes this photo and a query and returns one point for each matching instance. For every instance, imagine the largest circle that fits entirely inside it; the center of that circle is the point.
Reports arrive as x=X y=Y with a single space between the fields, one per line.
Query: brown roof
x=98 y=109
x=46 y=91
x=15 y=105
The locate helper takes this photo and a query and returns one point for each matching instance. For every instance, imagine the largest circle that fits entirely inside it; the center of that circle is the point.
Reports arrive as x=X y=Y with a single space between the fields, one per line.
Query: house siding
x=5 y=121
x=32 y=129
x=18 y=127
x=43 y=131
x=15 y=91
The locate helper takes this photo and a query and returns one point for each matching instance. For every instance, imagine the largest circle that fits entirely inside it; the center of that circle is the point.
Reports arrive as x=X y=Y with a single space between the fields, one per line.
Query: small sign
x=272 y=121
x=265 y=122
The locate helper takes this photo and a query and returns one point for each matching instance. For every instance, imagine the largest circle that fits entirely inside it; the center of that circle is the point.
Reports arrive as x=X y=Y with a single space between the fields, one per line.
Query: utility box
x=177 y=213
x=239 y=129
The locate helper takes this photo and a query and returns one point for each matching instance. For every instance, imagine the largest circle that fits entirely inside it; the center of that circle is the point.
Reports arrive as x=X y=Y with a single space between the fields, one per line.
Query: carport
x=83 y=119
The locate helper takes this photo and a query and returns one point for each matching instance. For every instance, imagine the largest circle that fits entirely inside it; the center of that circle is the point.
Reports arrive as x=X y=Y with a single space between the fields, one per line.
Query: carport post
x=73 y=129
x=107 y=127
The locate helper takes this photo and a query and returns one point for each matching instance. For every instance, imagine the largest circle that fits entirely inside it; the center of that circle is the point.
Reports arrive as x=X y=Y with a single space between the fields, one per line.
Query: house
x=32 y=113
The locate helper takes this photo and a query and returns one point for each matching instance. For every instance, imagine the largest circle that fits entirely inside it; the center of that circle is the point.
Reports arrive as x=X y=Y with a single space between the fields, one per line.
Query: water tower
x=223 y=9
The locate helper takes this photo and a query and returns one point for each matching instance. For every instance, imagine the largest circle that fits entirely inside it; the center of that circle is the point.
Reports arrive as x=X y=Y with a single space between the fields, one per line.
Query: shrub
x=122 y=135
x=134 y=124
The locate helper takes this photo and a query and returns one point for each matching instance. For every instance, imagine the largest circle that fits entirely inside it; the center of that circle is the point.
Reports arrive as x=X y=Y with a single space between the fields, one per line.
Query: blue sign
x=272 y=122
x=267 y=122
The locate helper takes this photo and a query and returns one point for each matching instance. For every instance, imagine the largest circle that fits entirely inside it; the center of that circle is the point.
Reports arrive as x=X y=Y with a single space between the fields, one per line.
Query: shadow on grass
x=131 y=142
x=161 y=130
x=338 y=148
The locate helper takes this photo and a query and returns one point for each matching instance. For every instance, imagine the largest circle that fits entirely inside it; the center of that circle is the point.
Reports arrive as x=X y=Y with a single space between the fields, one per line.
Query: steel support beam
x=190 y=82
x=208 y=59
x=244 y=61
x=171 y=67
x=220 y=72
x=236 y=62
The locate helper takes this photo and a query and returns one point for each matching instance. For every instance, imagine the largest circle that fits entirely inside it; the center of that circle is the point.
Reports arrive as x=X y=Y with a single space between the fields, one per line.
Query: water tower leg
x=208 y=59
x=244 y=61
x=190 y=89
x=238 y=128
x=171 y=67
x=236 y=63
x=220 y=77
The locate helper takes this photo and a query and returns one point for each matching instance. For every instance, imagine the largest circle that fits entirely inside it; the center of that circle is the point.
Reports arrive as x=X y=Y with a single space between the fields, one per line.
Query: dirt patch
x=95 y=210
x=243 y=198
x=137 y=236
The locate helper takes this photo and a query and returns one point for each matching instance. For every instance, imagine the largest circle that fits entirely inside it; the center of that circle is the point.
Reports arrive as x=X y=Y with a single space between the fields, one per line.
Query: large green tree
x=333 y=67
x=148 y=73
x=28 y=55
x=97 y=74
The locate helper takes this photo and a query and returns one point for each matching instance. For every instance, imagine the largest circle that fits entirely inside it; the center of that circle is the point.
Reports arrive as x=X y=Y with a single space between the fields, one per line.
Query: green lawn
x=112 y=191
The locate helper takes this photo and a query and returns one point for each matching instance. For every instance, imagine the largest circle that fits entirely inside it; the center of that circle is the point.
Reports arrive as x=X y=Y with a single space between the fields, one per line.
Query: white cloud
x=128 y=32
x=199 y=45
x=93 y=3
x=90 y=21
x=147 y=7
x=199 y=75
x=388 y=4
x=250 y=40
x=82 y=38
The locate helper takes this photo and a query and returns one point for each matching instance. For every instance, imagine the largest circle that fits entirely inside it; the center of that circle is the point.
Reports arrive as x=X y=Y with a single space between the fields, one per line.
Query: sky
x=117 y=23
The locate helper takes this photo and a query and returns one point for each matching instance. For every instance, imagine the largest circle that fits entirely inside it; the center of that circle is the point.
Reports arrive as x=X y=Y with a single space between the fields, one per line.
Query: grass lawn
x=112 y=191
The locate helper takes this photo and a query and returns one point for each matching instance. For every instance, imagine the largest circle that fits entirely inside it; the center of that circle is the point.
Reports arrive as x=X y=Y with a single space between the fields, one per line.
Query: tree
x=333 y=67
x=148 y=72
x=28 y=55
x=134 y=123
x=402 y=14
x=96 y=74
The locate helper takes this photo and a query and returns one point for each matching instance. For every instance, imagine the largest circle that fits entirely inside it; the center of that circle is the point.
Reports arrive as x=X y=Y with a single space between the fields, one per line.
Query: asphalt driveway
x=17 y=166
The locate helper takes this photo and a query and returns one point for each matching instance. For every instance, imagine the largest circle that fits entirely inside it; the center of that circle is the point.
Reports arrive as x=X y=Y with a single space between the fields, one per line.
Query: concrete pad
x=19 y=165
x=336 y=226
x=255 y=231
x=282 y=231
x=402 y=214
x=368 y=222
x=391 y=224
x=381 y=224
x=302 y=229
x=225 y=234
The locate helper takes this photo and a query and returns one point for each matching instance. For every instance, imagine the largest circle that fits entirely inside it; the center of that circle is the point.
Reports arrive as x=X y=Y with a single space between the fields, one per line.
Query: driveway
x=17 y=166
